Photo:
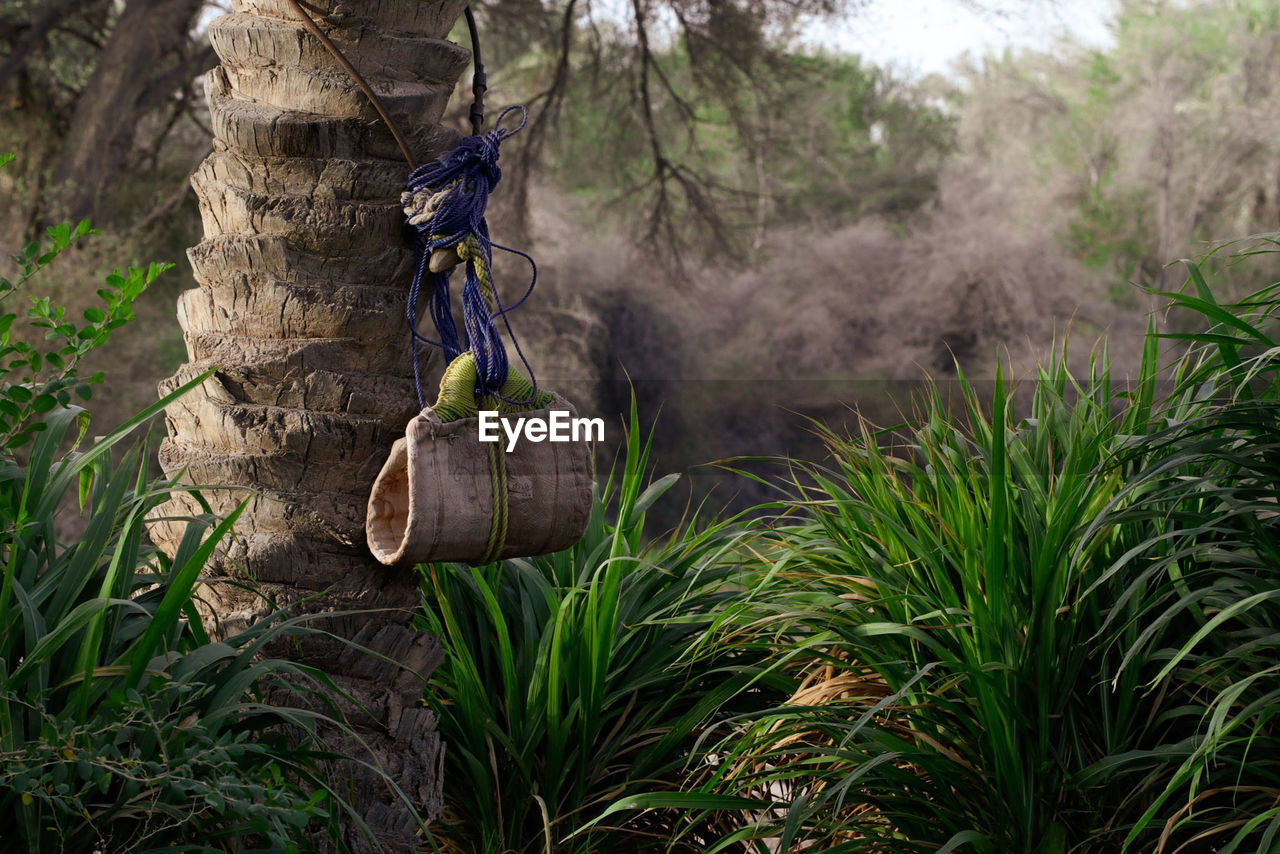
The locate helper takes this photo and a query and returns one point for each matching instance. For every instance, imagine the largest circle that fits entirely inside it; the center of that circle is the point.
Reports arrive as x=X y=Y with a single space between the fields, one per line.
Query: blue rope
x=469 y=172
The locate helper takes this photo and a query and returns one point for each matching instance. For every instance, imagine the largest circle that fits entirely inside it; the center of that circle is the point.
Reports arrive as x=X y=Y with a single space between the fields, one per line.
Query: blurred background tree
x=94 y=90
x=1142 y=152
x=743 y=225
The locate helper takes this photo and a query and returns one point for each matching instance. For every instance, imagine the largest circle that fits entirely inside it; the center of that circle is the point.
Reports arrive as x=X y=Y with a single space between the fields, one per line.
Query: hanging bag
x=444 y=494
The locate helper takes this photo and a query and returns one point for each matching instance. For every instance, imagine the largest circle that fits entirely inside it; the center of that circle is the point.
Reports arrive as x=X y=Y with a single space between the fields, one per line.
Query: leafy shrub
x=123 y=727
x=927 y=587
x=35 y=379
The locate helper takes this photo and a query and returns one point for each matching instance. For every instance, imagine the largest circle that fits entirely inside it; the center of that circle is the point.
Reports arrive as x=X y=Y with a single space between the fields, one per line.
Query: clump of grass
x=568 y=680
x=1045 y=632
x=122 y=726
x=936 y=574
x=1198 y=612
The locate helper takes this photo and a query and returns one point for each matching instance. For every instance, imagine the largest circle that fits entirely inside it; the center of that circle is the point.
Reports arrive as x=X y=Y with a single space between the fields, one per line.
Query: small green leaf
x=20 y=393
x=86 y=483
x=95 y=315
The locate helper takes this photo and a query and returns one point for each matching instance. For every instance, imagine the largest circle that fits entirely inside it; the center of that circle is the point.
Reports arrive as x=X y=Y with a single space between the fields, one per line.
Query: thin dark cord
x=314 y=29
x=479 y=82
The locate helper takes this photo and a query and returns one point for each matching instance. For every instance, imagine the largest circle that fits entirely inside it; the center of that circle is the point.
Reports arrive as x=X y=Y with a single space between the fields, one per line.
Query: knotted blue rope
x=458 y=185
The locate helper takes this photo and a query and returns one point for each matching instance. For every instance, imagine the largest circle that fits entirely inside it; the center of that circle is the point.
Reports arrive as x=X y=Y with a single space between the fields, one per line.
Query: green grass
x=123 y=726
x=1199 y=615
x=939 y=572
x=570 y=681
x=1044 y=631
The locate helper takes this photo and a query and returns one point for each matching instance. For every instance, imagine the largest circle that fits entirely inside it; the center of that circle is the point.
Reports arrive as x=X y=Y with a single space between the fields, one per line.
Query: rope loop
x=507 y=134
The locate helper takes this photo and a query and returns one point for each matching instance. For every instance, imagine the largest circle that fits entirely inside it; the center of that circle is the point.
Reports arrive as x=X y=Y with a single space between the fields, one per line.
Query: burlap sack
x=434 y=499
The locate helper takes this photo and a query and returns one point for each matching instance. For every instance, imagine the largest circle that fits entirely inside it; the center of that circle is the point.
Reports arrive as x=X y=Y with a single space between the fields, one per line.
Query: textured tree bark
x=302 y=276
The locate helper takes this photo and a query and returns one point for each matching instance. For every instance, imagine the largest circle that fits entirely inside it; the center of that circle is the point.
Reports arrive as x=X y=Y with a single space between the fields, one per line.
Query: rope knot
x=445 y=203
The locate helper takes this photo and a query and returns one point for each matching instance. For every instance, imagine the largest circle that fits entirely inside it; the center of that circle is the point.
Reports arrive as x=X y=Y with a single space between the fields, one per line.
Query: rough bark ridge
x=302 y=275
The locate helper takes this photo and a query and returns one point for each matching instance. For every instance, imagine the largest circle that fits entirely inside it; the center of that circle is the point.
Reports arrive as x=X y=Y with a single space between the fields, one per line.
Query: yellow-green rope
x=457 y=400
x=457 y=397
x=498 y=521
x=468 y=249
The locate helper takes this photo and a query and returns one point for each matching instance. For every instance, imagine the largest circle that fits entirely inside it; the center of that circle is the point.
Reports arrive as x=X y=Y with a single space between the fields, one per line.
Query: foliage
x=935 y=572
x=739 y=158
x=1047 y=633
x=704 y=126
x=1108 y=235
x=123 y=727
x=1200 y=604
x=36 y=379
x=1139 y=152
x=566 y=681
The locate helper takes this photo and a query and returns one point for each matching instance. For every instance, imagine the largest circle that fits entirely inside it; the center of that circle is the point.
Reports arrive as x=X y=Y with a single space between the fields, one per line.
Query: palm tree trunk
x=302 y=277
